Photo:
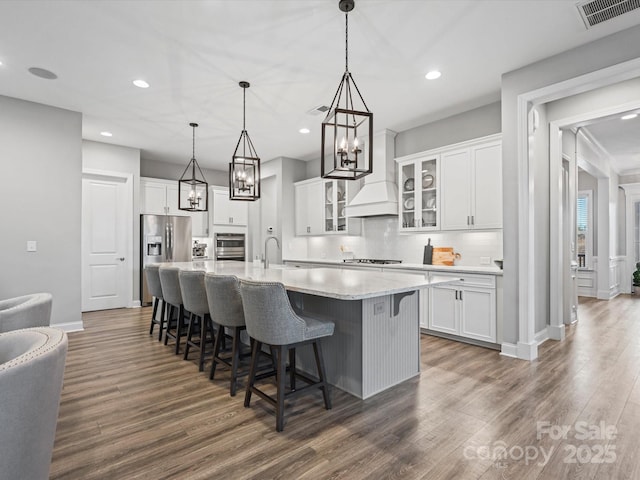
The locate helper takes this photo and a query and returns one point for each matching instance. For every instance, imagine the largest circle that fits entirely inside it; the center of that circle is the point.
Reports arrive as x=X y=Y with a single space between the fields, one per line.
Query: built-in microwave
x=229 y=246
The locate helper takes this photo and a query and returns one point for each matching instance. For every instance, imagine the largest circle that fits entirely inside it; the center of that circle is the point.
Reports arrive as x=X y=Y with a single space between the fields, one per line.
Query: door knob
x=121 y=259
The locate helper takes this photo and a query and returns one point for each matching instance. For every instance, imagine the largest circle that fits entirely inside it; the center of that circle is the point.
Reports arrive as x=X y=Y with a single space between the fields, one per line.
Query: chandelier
x=347 y=130
x=192 y=188
x=244 y=169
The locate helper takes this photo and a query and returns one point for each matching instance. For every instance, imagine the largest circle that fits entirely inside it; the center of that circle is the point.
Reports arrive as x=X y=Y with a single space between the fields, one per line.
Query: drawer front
x=469 y=279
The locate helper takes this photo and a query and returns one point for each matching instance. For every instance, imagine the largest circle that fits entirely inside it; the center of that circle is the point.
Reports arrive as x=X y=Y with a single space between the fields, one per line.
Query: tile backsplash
x=380 y=239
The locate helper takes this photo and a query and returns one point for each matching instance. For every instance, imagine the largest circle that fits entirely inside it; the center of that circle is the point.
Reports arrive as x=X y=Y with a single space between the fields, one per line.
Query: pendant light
x=244 y=169
x=347 y=130
x=192 y=190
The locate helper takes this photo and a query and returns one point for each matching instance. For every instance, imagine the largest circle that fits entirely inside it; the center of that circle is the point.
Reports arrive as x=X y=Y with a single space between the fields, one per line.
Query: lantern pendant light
x=193 y=189
x=244 y=169
x=347 y=130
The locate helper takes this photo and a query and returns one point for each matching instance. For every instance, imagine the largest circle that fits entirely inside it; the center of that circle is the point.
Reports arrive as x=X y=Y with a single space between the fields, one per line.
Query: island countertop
x=324 y=282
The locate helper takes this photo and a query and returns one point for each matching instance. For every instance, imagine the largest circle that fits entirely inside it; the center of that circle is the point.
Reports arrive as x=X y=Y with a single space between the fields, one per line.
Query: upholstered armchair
x=31 y=371
x=26 y=311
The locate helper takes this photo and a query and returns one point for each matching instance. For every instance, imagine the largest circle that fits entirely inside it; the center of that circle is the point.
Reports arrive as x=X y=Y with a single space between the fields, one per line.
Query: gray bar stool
x=271 y=320
x=194 y=297
x=169 y=279
x=155 y=288
x=225 y=306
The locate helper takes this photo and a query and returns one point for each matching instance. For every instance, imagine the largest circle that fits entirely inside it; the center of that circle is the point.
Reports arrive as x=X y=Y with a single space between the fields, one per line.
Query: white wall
x=115 y=158
x=284 y=173
x=41 y=199
x=380 y=239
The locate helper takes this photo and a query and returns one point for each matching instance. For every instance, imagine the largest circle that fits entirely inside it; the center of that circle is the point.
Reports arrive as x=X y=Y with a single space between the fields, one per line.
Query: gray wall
x=594 y=56
x=283 y=172
x=479 y=122
x=41 y=199
x=173 y=171
x=115 y=158
x=476 y=123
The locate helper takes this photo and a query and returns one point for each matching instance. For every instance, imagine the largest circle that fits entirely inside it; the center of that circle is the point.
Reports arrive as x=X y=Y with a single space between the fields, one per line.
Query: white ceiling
x=620 y=139
x=194 y=53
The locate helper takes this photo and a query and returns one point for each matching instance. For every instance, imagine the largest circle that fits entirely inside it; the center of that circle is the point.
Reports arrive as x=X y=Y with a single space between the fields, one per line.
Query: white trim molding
x=509 y=350
x=69 y=326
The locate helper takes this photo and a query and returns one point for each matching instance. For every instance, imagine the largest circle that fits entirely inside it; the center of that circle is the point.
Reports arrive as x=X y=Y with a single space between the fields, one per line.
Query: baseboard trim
x=135 y=304
x=69 y=326
x=542 y=336
x=527 y=351
x=554 y=332
x=509 y=350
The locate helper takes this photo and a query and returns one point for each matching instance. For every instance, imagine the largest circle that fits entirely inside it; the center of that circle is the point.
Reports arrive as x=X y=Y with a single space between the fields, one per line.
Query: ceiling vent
x=322 y=108
x=597 y=11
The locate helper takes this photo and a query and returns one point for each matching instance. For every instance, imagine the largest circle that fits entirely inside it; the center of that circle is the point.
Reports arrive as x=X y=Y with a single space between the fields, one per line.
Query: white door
x=105 y=228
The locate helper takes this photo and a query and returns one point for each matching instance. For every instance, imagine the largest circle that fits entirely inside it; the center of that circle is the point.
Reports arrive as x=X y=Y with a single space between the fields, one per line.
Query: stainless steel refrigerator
x=163 y=238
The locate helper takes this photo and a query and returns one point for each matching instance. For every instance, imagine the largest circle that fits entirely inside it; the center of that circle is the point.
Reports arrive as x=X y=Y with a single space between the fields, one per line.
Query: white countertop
x=325 y=282
x=407 y=266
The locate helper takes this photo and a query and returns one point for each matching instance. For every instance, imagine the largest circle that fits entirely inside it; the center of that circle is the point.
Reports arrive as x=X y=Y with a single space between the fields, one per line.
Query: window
x=584 y=228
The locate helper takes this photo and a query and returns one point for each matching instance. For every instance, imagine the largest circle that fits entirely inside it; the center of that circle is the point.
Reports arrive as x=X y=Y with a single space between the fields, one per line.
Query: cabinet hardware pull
x=460 y=294
x=456 y=294
x=473 y=220
x=468 y=220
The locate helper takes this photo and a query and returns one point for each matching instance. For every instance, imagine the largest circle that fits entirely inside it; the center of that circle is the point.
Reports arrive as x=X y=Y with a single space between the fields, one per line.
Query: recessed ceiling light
x=141 y=83
x=106 y=134
x=432 y=75
x=43 y=73
x=304 y=130
x=629 y=116
x=0 y=63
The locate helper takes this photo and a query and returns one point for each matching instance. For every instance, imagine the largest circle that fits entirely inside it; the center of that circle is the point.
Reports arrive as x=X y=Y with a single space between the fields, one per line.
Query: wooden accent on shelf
x=130 y=408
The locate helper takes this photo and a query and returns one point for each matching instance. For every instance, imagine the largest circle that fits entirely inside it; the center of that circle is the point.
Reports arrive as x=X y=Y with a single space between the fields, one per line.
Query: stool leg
x=163 y=320
x=255 y=353
x=204 y=326
x=282 y=368
x=192 y=321
x=153 y=315
x=180 y=326
x=292 y=368
x=322 y=376
x=169 y=317
x=216 y=352
x=235 y=359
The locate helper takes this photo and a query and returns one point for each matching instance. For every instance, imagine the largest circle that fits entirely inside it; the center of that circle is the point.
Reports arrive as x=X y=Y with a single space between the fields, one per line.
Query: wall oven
x=230 y=246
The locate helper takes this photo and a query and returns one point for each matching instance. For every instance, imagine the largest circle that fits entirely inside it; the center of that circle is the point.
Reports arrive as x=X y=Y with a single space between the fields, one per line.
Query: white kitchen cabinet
x=466 y=308
x=419 y=200
x=320 y=208
x=309 y=202
x=160 y=197
x=471 y=187
x=226 y=211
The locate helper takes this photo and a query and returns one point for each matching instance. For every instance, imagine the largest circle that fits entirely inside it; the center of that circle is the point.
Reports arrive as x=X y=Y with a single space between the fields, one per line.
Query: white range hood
x=379 y=194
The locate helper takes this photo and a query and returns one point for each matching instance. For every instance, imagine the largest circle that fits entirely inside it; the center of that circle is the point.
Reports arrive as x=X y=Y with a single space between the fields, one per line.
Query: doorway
x=106 y=247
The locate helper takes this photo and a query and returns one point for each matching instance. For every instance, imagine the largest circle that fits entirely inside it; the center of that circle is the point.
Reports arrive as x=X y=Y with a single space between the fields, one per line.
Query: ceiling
x=194 y=53
x=620 y=138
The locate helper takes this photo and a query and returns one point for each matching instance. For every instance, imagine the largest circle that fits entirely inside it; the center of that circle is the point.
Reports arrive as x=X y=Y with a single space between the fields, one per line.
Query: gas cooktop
x=370 y=260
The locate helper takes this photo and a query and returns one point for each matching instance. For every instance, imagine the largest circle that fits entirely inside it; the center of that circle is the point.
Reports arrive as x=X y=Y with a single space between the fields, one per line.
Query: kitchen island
x=376 y=343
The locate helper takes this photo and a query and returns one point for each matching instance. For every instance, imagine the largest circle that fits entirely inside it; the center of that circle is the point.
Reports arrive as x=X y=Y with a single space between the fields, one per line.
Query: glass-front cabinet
x=321 y=207
x=335 y=201
x=419 y=201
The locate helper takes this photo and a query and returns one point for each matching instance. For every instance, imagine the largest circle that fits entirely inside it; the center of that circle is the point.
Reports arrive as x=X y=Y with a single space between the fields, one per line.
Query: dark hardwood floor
x=131 y=409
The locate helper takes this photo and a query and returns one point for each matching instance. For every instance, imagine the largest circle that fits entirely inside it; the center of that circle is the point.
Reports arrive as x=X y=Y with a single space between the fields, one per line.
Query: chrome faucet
x=266 y=257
